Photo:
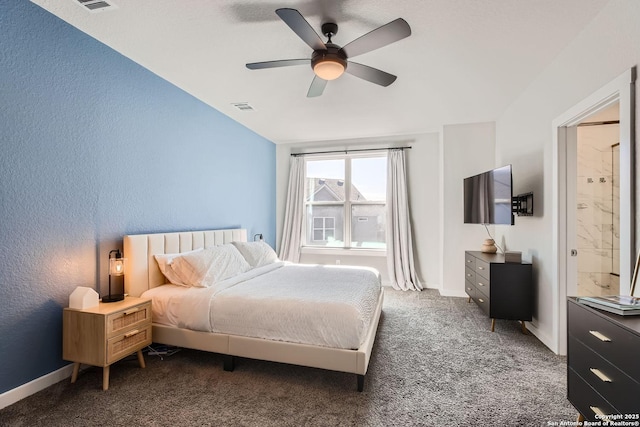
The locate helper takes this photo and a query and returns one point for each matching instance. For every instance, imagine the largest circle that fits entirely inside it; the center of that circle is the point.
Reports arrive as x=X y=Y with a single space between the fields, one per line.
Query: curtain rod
x=350 y=151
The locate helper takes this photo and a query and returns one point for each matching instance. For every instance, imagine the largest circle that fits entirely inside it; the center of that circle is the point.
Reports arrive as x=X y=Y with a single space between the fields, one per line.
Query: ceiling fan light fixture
x=329 y=64
x=328 y=69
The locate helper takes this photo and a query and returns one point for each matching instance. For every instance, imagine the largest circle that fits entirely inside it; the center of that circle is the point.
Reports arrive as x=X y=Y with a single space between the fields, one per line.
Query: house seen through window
x=345 y=201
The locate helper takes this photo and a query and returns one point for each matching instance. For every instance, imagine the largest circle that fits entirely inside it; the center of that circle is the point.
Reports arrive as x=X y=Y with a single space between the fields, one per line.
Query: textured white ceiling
x=465 y=61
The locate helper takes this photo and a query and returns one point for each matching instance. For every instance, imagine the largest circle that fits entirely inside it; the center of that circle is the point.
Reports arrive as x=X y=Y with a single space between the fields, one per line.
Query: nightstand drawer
x=127 y=319
x=604 y=337
x=125 y=344
x=603 y=377
x=586 y=400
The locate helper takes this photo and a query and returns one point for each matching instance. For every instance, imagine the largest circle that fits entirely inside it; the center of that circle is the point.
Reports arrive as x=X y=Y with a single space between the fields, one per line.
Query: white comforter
x=310 y=304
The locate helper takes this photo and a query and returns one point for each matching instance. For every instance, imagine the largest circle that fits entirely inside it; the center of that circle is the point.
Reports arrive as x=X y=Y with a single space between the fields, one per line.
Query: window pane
x=369 y=179
x=368 y=224
x=324 y=225
x=325 y=180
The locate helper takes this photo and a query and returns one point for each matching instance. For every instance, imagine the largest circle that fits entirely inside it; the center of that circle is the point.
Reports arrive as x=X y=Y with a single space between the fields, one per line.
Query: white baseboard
x=544 y=338
x=12 y=396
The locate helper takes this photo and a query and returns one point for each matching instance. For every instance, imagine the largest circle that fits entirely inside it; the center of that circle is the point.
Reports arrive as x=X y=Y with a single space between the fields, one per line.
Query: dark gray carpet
x=435 y=363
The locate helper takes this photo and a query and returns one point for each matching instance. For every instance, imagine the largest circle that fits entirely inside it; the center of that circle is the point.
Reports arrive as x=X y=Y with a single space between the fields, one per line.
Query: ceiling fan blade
x=301 y=27
x=381 y=36
x=278 y=63
x=317 y=87
x=370 y=74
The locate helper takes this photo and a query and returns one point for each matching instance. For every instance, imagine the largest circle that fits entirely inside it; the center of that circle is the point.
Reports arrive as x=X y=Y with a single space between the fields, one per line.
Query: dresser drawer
x=607 y=380
x=125 y=344
x=470 y=288
x=482 y=269
x=483 y=285
x=585 y=399
x=470 y=274
x=606 y=338
x=127 y=319
x=470 y=261
x=482 y=301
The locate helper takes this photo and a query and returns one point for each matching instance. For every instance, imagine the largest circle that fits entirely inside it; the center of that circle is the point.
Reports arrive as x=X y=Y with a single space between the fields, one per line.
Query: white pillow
x=257 y=254
x=210 y=266
x=165 y=263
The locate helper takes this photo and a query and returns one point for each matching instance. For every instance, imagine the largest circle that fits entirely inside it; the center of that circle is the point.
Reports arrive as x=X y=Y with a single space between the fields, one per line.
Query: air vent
x=94 y=6
x=243 y=106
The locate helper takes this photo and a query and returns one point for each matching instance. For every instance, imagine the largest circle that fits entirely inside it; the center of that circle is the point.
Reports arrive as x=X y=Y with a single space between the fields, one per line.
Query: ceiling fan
x=329 y=61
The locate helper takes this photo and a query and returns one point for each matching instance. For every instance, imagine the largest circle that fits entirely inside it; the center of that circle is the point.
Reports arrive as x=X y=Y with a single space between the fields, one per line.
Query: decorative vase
x=489 y=246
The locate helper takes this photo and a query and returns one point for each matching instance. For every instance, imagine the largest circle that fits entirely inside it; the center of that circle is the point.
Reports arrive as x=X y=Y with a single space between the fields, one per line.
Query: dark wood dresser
x=603 y=363
x=502 y=290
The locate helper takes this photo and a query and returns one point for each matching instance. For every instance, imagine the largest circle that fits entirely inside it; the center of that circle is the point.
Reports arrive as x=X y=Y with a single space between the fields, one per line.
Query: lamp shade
x=116 y=266
x=116 y=269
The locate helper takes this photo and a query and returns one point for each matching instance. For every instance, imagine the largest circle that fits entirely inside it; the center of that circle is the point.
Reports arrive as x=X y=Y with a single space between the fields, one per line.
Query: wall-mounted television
x=487 y=197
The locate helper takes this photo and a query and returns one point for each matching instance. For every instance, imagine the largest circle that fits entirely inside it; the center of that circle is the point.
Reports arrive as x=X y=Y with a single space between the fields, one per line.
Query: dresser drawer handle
x=469 y=260
x=600 y=375
x=468 y=274
x=480 y=283
x=601 y=415
x=600 y=336
x=468 y=288
x=480 y=299
x=135 y=310
x=132 y=333
x=480 y=268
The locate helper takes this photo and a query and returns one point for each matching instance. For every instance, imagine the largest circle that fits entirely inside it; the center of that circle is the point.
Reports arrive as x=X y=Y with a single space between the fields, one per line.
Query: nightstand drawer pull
x=468 y=288
x=468 y=274
x=600 y=375
x=469 y=261
x=132 y=333
x=480 y=283
x=135 y=310
x=601 y=415
x=480 y=268
x=600 y=336
x=480 y=299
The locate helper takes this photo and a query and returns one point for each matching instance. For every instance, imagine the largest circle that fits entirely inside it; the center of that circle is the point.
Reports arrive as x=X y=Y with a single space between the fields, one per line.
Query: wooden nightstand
x=104 y=334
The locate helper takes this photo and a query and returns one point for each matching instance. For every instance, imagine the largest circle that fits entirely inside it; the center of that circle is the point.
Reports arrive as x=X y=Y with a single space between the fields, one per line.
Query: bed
x=143 y=276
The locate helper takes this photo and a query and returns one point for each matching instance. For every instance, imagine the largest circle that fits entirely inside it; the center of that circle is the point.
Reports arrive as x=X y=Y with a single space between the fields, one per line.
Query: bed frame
x=142 y=273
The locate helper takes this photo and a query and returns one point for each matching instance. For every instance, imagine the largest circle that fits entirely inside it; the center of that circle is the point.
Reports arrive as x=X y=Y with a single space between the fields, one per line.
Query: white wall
x=606 y=48
x=467 y=149
x=423 y=176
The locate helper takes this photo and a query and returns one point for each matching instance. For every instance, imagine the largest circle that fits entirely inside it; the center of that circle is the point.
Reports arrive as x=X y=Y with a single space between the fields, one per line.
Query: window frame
x=346 y=206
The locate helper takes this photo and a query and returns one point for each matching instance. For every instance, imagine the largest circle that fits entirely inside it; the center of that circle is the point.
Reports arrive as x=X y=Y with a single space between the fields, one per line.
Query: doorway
x=597 y=211
x=617 y=95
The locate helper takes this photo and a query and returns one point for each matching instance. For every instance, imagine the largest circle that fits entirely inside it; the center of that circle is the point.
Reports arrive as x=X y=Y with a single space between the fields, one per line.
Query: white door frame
x=621 y=90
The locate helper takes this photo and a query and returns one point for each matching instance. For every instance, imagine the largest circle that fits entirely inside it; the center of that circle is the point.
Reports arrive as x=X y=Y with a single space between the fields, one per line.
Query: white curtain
x=399 y=244
x=294 y=214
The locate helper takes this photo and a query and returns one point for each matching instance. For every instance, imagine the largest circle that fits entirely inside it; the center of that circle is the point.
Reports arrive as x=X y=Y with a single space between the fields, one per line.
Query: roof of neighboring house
x=335 y=187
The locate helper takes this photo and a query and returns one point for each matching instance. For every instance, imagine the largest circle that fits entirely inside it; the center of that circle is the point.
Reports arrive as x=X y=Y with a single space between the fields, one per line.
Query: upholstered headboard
x=142 y=272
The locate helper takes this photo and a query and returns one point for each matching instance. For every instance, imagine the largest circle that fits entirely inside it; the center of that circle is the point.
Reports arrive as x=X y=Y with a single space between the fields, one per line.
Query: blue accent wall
x=93 y=147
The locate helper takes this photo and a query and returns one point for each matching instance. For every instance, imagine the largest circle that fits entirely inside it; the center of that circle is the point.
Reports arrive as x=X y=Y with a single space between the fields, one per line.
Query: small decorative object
x=489 y=246
x=513 y=257
x=258 y=237
x=83 y=297
x=116 y=268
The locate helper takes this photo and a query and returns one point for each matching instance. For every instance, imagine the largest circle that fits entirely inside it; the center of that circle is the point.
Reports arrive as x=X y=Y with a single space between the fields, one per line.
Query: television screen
x=487 y=197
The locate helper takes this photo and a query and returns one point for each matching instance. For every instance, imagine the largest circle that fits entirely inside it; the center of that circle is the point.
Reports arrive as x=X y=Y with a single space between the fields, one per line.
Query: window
x=345 y=201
